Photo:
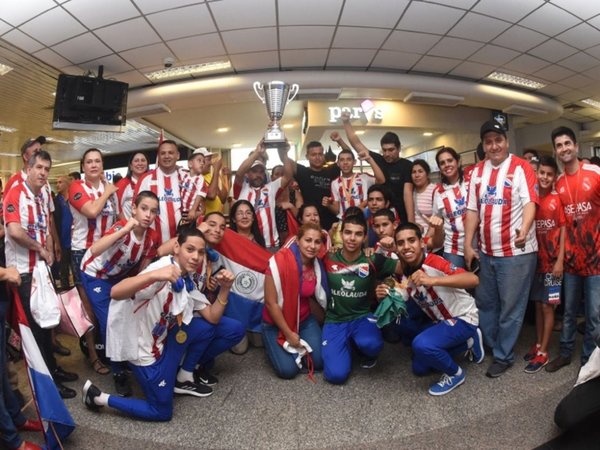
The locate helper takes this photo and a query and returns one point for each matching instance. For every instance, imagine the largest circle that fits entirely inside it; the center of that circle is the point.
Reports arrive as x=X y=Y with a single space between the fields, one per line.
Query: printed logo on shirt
x=348 y=284
x=580 y=208
x=163 y=383
x=97 y=289
x=490 y=197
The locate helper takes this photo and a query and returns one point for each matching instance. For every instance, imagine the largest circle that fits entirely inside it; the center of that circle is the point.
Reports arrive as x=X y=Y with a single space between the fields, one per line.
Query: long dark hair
x=255 y=230
x=456 y=157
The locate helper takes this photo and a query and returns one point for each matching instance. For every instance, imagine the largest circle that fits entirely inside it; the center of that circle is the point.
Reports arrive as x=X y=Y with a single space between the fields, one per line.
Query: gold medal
x=181 y=337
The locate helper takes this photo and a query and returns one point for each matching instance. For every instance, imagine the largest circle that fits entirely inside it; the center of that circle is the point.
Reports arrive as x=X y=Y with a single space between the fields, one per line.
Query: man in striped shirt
x=501 y=203
x=28 y=240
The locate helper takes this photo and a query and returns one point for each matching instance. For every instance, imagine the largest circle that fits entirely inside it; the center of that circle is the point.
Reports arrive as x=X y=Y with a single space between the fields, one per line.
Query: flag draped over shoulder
x=58 y=423
x=248 y=263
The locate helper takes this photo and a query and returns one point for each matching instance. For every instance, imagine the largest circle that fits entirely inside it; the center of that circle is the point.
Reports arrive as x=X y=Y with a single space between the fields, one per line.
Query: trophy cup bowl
x=275 y=95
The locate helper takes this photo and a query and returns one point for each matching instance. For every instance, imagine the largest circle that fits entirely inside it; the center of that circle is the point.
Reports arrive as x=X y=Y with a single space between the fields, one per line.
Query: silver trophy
x=276 y=95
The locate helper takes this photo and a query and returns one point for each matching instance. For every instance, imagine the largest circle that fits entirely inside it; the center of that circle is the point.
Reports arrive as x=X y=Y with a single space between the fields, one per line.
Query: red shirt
x=580 y=196
x=307 y=290
x=549 y=218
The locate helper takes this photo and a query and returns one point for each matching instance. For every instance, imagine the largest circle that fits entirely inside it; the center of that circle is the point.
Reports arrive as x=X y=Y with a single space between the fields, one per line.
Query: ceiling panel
x=189 y=20
x=356 y=37
x=455 y=48
x=577 y=81
x=472 y=70
x=14 y=12
x=549 y=20
x=492 y=54
x=309 y=12
x=350 y=57
x=112 y=64
x=197 y=46
x=408 y=41
x=112 y=11
x=426 y=16
x=554 y=73
x=44 y=27
x=242 y=41
x=295 y=37
x=150 y=6
x=303 y=58
x=519 y=38
x=580 y=62
x=387 y=59
x=509 y=10
x=553 y=50
x=581 y=36
x=129 y=34
x=584 y=9
x=52 y=58
x=435 y=65
x=478 y=27
x=464 y=4
x=82 y=48
x=254 y=61
x=148 y=55
x=21 y=40
x=257 y=13
x=384 y=14
x=526 y=63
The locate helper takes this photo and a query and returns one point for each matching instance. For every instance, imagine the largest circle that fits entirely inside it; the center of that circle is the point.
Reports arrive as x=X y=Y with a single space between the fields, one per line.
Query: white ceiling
x=556 y=42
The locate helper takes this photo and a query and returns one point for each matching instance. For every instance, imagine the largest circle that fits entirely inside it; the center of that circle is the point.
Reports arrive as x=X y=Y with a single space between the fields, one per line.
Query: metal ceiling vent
x=319 y=94
x=520 y=110
x=147 y=110
x=431 y=98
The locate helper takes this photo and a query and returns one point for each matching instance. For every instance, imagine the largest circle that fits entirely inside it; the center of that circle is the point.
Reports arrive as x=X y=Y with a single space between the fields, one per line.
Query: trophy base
x=275 y=139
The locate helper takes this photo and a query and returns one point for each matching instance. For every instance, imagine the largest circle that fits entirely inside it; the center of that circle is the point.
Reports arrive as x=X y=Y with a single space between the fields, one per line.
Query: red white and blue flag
x=248 y=262
x=58 y=423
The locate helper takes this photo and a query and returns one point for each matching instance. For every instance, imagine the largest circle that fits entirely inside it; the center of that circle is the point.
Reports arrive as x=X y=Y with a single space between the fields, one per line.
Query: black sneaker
x=61 y=350
x=203 y=376
x=62 y=376
x=191 y=388
x=497 y=368
x=88 y=394
x=368 y=363
x=64 y=391
x=122 y=384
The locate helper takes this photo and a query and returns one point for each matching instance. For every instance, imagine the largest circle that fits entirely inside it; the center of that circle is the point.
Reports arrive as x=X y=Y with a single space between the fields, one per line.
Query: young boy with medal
x=152 y=325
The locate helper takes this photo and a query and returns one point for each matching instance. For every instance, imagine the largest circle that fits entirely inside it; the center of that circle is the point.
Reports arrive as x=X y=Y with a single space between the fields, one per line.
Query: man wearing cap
x=501 y=206
x=250 y=183
x=217 y=181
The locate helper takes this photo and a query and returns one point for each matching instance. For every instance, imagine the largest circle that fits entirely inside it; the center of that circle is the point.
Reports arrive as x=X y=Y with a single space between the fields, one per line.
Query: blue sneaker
x=447 y=384
x=476 y=349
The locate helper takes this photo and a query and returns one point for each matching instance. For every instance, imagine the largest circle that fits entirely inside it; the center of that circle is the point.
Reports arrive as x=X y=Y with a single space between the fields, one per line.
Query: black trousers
x=581 y=403
x=42 y=337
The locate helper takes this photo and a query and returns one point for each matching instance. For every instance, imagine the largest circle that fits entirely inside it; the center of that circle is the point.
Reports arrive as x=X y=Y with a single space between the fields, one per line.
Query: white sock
x=102 y=399
x=458 y=372
x=184 y=375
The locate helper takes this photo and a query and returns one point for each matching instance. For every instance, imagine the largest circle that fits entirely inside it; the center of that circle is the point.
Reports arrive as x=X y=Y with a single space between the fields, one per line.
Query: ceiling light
x=4 y=69
x=68 y=163
x=513 y=79
x=222 y=130
x=287 y=126
x=428 y=133
x=7 y=129
x=58 y=141
x=236 y=145
x=360 y=132
x=592 y=103
x=182 y=71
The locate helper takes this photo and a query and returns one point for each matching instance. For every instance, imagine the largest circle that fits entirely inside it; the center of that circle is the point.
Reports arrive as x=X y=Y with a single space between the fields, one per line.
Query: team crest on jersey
x=263 y=199
x=507 y=184
x=10 y=208
x=245 y=282
x=363 y=270
x=77 y=196
x=348 y=284
x=490 y=191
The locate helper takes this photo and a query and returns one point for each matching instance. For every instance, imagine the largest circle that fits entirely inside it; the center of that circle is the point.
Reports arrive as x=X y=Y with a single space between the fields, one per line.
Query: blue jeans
x=337 y=340
x=283 y=362
x=457 y=260
x=501 y=297
x=10 y=411
x=76 y=257
x=574 y=286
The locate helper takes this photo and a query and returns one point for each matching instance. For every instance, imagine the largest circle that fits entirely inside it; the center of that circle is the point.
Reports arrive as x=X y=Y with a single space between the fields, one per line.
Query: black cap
x=492 y=125
x=29 y=142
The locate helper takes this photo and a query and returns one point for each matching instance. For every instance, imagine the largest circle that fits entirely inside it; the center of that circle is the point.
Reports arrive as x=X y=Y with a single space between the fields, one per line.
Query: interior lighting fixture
x=359 y=132
x=223 y=130
x=236 y=145
x=287 y=126
x=515 y=80
x=7 y=129
x=591 y=102
x=428 y=133
x=189 y=70
x=4 y=69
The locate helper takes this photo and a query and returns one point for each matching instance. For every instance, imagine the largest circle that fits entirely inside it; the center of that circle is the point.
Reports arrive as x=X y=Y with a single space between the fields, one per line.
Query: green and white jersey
x=350 y=283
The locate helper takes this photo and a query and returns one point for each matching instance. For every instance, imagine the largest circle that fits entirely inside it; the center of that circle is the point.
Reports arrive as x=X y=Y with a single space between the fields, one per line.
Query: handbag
x=74 y=320
x=43 y=299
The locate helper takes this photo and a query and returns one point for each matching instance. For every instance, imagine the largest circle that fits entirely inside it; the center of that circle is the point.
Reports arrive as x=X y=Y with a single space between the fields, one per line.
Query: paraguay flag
x=58 y=423
x=248 y=262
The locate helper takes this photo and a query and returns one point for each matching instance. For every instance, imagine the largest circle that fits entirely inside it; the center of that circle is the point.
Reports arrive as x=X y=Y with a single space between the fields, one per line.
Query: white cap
x=258 y=162
x=202 y=151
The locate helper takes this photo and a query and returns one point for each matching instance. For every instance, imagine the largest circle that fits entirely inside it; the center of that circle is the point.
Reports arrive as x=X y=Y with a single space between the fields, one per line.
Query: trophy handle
x=293 y=92
x=257 y=88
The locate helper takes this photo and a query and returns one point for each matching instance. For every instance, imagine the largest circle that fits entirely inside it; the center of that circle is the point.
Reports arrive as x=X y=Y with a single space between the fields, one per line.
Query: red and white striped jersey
x=126 y=189
x=351 y=191
x=450 y=203
x=30 y=211
x=439 y=302
x=124 y=255
x=263 y=200
x=155 y=312
x=87 y=231
x=20 y=177
x=580 y=196
x=193 y=186
x=168 y=190
x=498 y=195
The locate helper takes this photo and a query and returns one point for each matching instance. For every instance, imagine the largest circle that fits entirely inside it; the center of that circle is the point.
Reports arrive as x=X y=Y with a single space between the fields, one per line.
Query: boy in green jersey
x=348 y=320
